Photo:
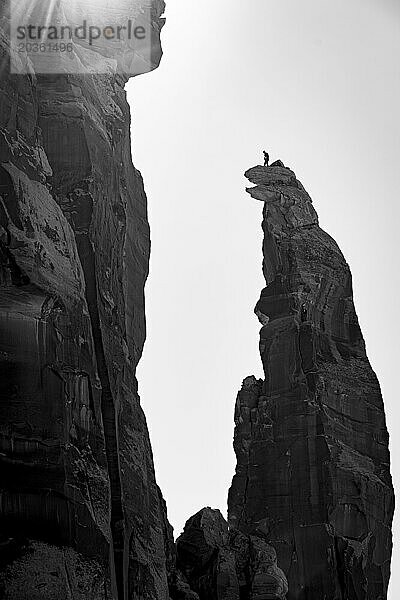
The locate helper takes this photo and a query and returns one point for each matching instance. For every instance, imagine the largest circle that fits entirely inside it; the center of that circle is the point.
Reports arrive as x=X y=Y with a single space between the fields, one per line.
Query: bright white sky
x=317 y=84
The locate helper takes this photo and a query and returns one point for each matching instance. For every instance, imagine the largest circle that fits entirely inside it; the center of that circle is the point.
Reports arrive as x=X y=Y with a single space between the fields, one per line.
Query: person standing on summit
x=266 y=159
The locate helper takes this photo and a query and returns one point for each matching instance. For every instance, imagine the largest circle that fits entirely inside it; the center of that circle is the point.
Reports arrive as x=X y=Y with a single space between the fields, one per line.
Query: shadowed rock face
x=222 y=564
x=312 y=474
x=205 y=557
x=80 y=512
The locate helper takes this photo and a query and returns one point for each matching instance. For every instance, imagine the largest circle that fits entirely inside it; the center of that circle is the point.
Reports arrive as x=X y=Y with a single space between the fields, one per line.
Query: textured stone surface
x=223 y=564
x=80 y=513
x=205 y=558
x=312 y=474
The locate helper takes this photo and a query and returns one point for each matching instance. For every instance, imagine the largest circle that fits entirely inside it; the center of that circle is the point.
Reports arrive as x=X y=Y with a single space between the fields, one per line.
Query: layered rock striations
x=80 y=513
x=312 y=476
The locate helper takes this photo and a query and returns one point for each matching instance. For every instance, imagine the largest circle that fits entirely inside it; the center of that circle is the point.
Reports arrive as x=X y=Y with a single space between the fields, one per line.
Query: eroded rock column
x=312 y=473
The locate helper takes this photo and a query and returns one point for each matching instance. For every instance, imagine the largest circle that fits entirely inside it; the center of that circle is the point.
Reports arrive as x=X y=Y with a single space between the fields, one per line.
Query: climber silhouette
x=266 y=159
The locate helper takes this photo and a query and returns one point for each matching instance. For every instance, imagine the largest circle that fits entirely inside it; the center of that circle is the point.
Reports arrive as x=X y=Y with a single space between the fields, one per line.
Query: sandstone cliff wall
x=80 y=512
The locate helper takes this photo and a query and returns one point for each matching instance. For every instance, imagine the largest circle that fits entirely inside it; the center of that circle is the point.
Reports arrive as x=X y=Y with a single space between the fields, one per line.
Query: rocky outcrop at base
x=223 y=564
